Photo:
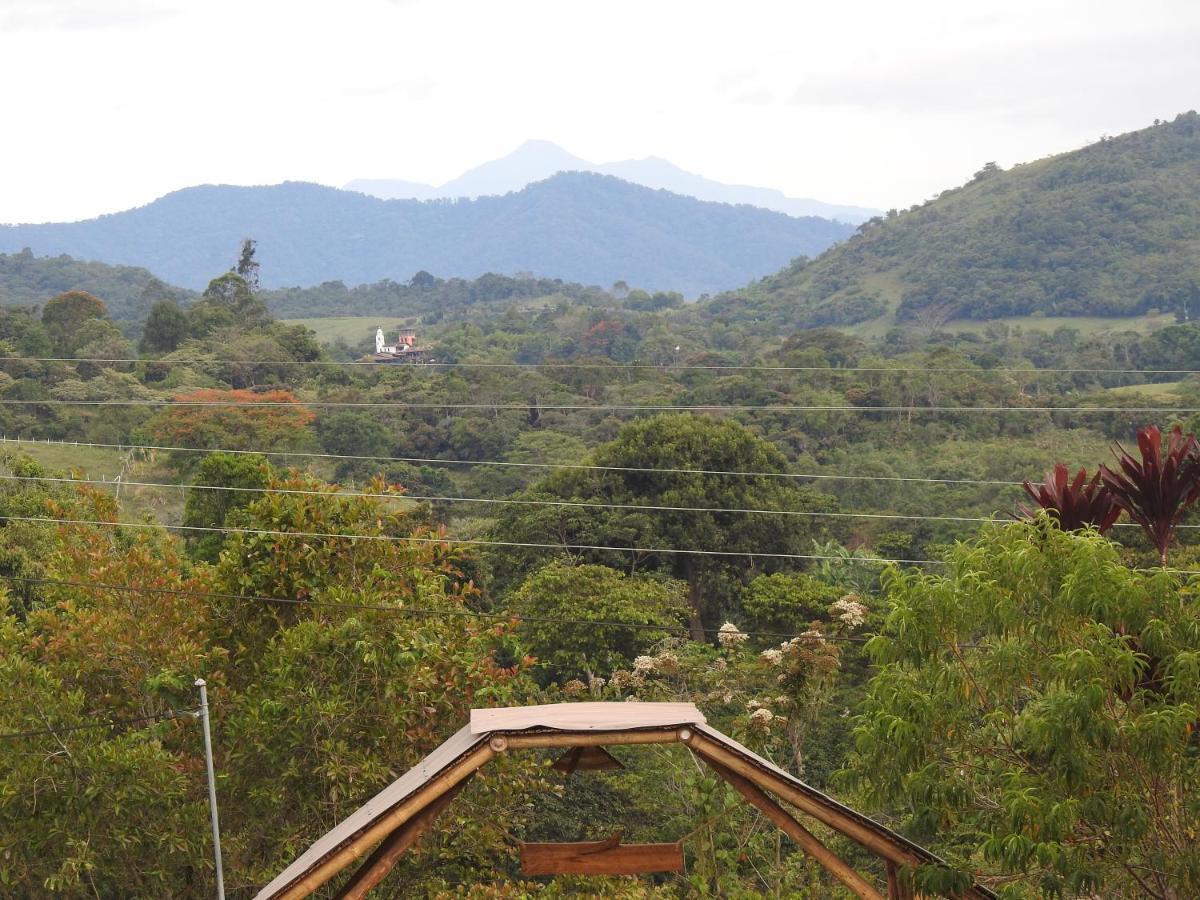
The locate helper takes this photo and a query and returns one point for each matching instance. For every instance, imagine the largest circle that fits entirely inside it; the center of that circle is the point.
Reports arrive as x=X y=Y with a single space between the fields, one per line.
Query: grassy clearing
x=93 y=462
x=1164 y=392
x=354 y=330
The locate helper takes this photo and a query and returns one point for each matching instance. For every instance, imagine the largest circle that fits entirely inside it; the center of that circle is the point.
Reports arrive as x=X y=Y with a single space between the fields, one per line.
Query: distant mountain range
x=1109 y=230
x=538 y=160
x=582 y=227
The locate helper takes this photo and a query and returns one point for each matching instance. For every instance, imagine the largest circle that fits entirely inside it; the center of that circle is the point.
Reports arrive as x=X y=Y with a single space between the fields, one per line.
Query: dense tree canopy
x=1036 y=707
x=705 y=511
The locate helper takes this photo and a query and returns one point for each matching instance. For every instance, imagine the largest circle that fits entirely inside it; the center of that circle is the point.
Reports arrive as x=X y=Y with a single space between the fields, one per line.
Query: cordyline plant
x=1156 y=489
x=1075 y=503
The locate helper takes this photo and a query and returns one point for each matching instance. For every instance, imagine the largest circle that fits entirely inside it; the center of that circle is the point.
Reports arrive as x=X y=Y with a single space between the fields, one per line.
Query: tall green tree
x=590 y=597
x=1035 y=710
x=703 y=509
x=65 y=314
x=166 y=328
x=247 y=266
x=208 y=506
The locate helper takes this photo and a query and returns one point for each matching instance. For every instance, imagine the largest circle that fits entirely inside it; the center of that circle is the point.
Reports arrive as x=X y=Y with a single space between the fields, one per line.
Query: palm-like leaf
x=1156 y=489
x=1076 y=503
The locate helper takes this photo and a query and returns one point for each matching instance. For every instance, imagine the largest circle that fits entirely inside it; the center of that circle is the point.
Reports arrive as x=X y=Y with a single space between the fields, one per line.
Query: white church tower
x=381 y=343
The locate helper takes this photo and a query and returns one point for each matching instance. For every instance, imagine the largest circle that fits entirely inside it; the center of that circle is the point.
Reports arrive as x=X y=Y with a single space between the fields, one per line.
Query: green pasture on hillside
x=353 y=330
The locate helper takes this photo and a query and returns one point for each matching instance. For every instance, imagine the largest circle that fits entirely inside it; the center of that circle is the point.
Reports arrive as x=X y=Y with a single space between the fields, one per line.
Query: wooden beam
x=899 y=884
x=827 y=815
x=807 y=841
x=386 y=824
x=834 y=818
x=607 y=857
x=586 y=759
x=387 y=854
x=591 y=738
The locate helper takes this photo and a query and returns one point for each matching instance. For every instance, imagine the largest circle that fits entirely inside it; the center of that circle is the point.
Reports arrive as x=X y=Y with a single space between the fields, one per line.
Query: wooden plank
x=386 y=824
x=607 y=857
x=592 y=738
x=586 y=759
x=387 y=854
x=807 y=841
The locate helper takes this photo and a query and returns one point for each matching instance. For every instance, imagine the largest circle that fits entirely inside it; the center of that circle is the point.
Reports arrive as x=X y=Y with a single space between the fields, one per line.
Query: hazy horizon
x=123 y=101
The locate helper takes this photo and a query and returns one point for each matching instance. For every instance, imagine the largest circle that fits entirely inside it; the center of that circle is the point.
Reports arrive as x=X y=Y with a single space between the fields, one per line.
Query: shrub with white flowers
x=731 y=636
x=850 y=610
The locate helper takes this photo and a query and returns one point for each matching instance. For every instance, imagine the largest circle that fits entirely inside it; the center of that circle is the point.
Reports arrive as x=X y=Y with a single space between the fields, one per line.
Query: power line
x=108 y=723
x=606 y=366
x=574 y=504
x=398 y=610
x=584 y=504
x=429 y=460
x=598 y=407
x=744 y=554
x=497 y=500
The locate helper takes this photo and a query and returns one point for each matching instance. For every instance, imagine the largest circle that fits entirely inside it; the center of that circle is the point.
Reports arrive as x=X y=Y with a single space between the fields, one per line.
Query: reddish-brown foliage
x=1076 y=503
x=1156 y=489
x=279 y=424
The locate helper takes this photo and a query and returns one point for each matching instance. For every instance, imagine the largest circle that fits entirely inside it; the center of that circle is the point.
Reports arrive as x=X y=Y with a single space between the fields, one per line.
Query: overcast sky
x=111 y=103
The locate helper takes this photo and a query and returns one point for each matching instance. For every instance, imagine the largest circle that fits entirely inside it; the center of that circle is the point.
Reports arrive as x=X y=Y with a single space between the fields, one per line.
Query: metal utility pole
x=212 y=786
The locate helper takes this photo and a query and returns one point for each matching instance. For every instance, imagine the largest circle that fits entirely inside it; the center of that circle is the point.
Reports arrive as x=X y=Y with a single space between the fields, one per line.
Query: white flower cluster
x=850 y=610
x=761 y=716
x=772 y=656
x=667 y=663
x=644 y=664
x=731 y=636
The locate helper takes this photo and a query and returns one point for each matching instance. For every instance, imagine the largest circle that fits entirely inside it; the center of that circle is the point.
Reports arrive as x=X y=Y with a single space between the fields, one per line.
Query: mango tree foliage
x=1034 y=714
x=93 y=813
x=303 y=538
x=697 y=448
x=592 y=596
x=65 y=314
x=314 y=710
x=207 y=506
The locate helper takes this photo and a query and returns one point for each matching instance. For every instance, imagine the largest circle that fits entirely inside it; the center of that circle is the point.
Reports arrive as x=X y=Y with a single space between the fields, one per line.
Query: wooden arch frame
x=395 y=819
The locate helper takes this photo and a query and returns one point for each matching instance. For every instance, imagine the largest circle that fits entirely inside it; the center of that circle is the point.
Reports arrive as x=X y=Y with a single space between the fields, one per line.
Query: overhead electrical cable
x=423 y=612
x=430 y=460
x=496 y=500
x=480 y=542
x=584 y=504
x=107 y=723
x=609 y=366
x=597 y=407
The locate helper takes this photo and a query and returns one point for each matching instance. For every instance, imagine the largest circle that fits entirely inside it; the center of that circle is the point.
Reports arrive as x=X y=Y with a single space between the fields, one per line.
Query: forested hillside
x=29 y=280
x=586 y=228
x=1109 y=230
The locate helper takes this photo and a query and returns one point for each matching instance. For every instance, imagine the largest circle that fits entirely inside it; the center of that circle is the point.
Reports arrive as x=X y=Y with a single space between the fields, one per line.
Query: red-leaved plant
x=1156 y=489
x=1075 y=503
